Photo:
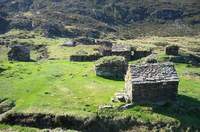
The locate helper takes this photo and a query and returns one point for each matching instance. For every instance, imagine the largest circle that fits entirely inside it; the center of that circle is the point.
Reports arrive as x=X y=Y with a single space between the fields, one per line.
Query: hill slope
x=93 y=18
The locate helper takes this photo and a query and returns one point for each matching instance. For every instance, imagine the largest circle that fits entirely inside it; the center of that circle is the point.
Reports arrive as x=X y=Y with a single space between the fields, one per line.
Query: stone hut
x=172 y=50
x=19 y=53
x=151 y=83
x=122 y=50
x=140 y=53
x=83 y=56
x=112 y=67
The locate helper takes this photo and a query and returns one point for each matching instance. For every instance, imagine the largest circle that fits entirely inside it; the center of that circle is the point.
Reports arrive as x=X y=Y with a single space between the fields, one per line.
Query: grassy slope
x=56 y=87
x=52 y=87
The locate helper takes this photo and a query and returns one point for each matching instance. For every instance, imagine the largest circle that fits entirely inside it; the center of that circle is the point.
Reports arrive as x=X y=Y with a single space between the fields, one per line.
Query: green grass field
x=61 y=87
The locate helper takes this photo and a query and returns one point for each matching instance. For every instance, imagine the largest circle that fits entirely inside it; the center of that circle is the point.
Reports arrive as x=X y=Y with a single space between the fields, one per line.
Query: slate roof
x=153 y=73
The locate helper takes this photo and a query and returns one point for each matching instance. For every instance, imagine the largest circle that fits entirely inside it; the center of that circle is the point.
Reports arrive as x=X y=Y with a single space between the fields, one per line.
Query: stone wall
x=138 y=54
x=19 y=53
x=84 y=58
x=126 y=54
x=151 y=83
x=122 y=50
x=154 y=92
x=112 y=67
x=172 y=50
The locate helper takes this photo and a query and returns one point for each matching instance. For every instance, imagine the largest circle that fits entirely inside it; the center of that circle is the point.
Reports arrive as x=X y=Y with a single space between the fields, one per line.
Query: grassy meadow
x=58 y=86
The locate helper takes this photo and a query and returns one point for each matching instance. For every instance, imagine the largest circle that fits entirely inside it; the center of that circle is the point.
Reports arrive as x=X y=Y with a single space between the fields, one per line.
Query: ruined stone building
x=122 y=50
x=19 y=53
x=172 y=50
x=112 y=67
x=151 y=83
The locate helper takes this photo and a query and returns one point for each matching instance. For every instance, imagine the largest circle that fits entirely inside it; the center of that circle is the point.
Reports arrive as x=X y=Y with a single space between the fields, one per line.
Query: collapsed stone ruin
x=122 y=50
x=83 y=56
x=19 y=53
x=113 y=67
x=140 y=53
x=172 y=50
x=151 y=83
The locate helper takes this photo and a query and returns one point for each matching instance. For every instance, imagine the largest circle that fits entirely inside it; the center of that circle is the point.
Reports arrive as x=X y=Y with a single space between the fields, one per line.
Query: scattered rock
x=120 y=96
x=70 y=44
x=126 y=106
x=105 y=107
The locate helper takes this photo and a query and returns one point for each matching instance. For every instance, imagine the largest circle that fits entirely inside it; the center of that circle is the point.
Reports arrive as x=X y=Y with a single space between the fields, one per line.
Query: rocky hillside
x=95 y=18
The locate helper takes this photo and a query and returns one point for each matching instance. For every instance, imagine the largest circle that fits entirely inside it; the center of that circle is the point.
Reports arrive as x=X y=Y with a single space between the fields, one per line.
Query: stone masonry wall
x=154 y=92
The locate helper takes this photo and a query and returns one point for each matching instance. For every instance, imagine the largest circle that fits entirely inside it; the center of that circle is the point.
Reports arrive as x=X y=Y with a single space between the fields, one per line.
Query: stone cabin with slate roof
x=151 y=83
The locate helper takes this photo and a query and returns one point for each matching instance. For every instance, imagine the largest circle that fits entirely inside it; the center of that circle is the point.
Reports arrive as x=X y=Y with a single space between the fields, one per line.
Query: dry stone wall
x=113 y=67
x=19 y=53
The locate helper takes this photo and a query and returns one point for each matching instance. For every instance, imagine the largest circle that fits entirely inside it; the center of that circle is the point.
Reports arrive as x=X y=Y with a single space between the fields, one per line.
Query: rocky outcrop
x=113 y=67
x=19 y=53
x=70 y=44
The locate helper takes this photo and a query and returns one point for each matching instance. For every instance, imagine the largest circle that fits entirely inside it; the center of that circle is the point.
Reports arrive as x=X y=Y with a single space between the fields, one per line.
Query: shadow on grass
x=186 y=110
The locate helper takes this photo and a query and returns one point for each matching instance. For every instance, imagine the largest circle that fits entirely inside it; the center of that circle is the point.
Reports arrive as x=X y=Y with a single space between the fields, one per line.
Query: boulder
x=19 y=53
x=70 y=44
x=112 y=67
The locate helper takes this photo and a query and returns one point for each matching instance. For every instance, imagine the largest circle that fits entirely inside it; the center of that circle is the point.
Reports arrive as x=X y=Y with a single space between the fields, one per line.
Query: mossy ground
x=62 y=87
